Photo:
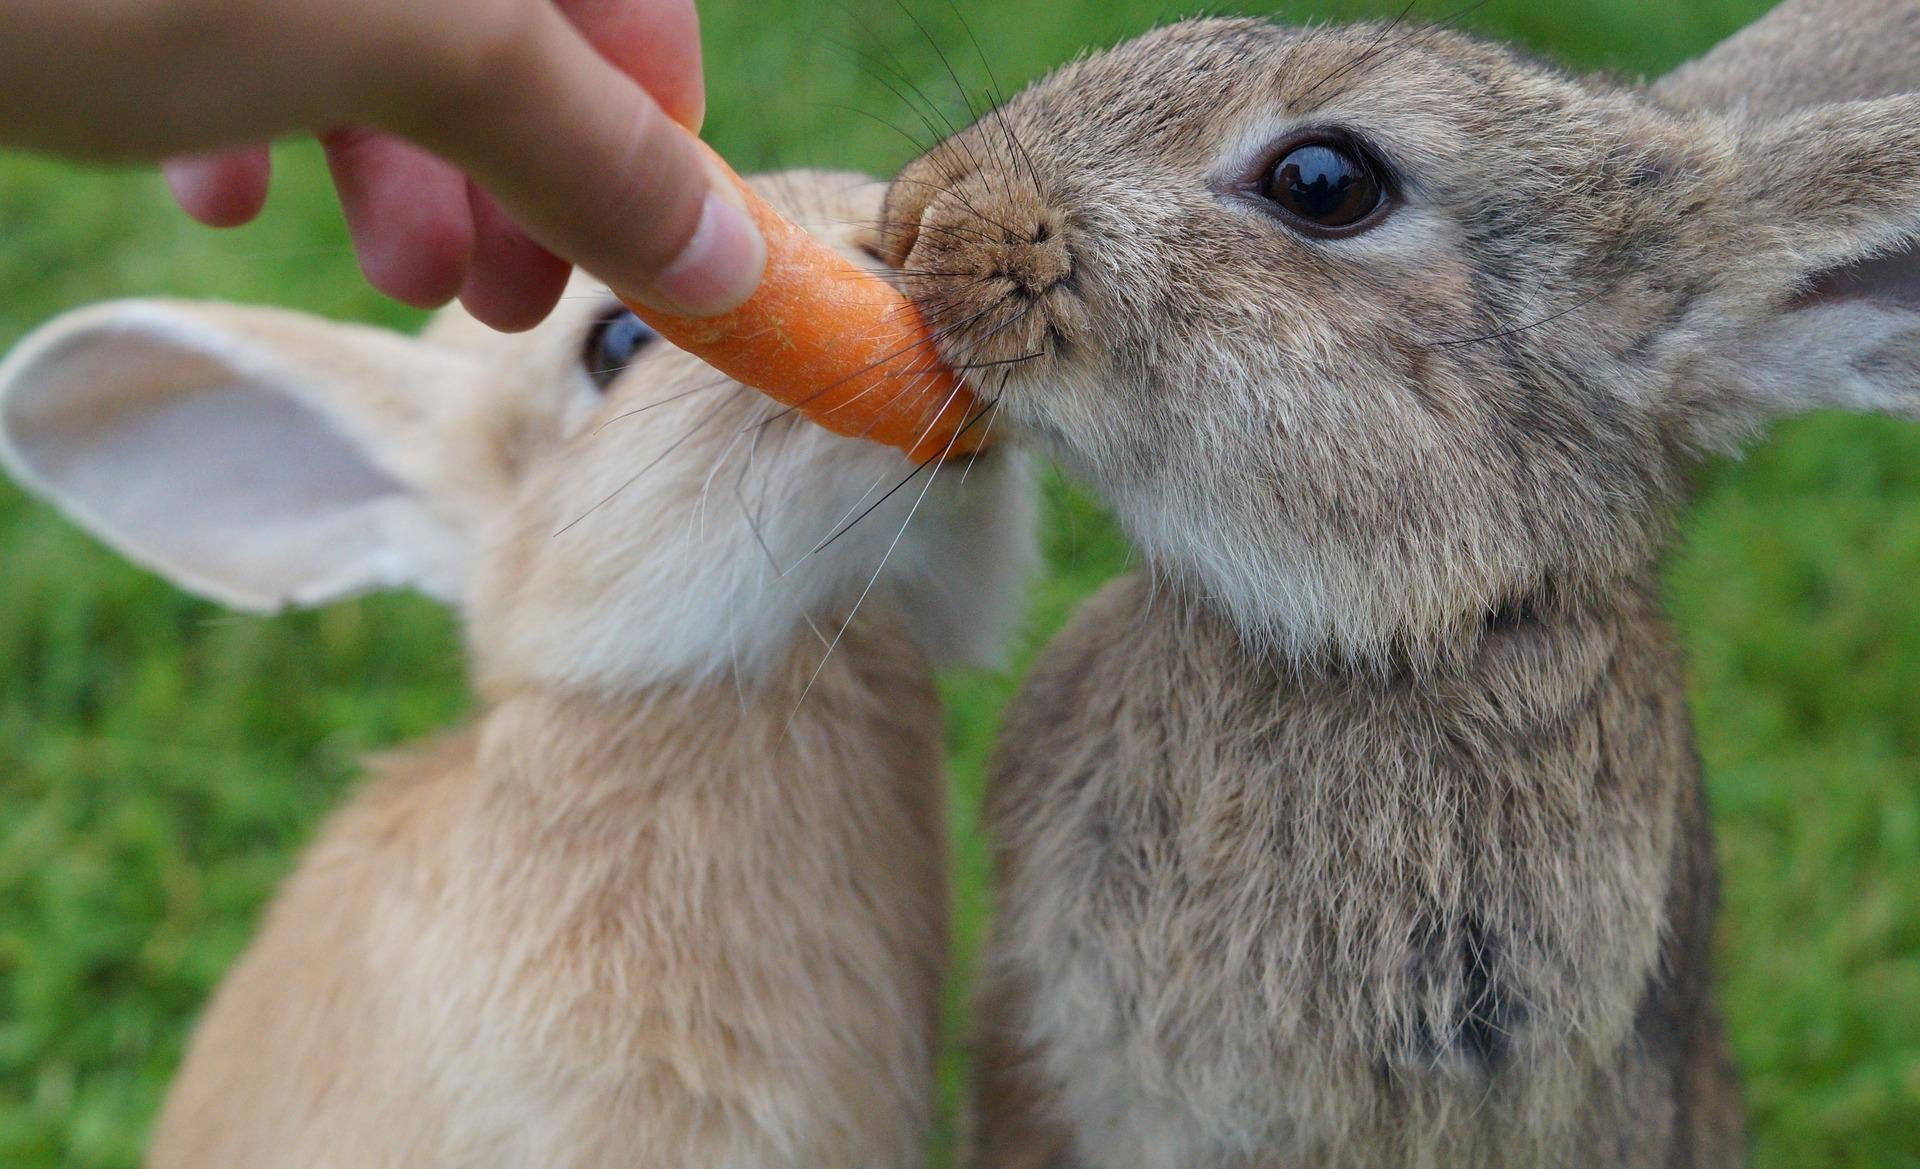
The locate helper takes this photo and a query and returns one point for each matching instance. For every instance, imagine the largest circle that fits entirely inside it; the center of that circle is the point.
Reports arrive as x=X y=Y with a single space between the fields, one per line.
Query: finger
x=587 y=162
x=655 y=42
x=407 y=212
x=221 y=190
x=513 y=282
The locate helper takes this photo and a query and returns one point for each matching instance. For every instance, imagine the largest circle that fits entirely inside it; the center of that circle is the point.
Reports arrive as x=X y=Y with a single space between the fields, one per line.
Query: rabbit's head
x=1372 y=335
x=604 y=509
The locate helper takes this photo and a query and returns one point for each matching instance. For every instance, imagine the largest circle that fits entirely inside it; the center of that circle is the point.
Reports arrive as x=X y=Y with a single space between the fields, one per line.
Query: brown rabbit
x=1364 y=828
x=676 y=897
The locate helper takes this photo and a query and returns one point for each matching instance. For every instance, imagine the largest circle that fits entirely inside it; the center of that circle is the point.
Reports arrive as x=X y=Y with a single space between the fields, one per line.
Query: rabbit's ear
x=1801 y=53
x=1837 y=189
x=256 y=457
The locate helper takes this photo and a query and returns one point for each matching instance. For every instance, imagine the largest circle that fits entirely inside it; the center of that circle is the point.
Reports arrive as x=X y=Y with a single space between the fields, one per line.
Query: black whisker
x=1516 y=330
x=998 y=103
x=869 y=491
x=754 y=523
x=923 y=343
x=966 y=233
x=953 y=131
x=986 y=436
x=1363 y=56
x=961 y=197
x=873 y=68
x=656 y=460
x=920 y=467
x=931 y=274
x=976 y=345
x=966 y=98
x=1020 y=360
x=873 y=580
x=1423 y=30
x=952 y=75
x=699 y=389
x=913 y=141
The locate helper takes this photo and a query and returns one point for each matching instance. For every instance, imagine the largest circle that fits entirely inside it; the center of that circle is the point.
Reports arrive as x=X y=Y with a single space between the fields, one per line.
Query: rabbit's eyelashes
x=1369 y=332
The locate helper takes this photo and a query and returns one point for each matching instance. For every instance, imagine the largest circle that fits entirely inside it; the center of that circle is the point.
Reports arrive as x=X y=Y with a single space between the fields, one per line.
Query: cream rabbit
x=1364 y=829
x=676 y=896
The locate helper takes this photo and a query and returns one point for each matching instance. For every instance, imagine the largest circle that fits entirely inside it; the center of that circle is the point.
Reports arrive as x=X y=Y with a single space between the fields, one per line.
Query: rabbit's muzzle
x=1035 y=259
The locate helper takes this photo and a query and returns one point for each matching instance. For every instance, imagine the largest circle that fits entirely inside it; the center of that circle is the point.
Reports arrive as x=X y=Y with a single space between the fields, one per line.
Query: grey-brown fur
x=1805 y=53
x=1363 y=829
x=1314 y=918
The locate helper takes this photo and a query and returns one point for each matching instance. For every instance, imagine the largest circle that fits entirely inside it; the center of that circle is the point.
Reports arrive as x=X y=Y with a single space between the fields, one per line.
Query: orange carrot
x=836 y=343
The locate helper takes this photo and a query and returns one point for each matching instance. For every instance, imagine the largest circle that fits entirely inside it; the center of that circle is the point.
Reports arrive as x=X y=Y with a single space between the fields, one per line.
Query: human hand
x=473 y=142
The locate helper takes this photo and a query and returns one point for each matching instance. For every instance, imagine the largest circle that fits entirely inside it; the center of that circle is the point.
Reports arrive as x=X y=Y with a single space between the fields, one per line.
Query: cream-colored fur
x=652 y=930
x=677 y=896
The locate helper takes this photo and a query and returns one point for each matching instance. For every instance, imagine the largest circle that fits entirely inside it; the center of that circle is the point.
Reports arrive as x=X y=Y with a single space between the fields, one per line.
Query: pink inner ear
x=1892 y=279
x=157 y=438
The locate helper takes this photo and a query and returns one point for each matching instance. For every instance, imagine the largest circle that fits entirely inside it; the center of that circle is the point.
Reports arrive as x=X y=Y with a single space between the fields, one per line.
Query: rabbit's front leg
x=1015 y=1123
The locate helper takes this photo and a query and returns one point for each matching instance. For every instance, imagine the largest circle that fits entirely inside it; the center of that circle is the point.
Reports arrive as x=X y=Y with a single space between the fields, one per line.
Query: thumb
x=588 y=163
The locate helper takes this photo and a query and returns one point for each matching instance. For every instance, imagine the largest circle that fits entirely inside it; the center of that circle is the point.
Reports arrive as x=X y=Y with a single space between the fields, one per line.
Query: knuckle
x=646 y=203
x=480 y=61
x=672 y=189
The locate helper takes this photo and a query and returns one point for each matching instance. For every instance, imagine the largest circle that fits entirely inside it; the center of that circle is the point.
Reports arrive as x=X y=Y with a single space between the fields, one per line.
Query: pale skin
x=479 y=147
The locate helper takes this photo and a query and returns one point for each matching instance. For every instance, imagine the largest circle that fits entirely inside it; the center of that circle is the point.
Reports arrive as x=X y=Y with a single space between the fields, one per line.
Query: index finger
x=588 y=163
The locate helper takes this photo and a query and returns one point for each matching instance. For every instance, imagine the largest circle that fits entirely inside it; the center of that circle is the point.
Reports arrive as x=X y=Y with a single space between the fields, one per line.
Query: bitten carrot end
x=834 y=342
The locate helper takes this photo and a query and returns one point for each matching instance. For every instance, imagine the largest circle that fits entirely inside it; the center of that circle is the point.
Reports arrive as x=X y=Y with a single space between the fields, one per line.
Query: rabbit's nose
x=1037 y=259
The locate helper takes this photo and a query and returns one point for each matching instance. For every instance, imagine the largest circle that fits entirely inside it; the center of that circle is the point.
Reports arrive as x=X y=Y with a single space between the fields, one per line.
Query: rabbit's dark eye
x=1326 y=185
x=615 y=341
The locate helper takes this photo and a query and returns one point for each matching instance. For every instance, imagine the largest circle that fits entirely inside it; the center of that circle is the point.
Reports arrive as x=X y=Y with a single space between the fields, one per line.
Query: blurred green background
x=161 y=763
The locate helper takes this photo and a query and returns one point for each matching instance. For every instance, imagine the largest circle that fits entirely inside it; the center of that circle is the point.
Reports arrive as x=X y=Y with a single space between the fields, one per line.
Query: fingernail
x=720 y=266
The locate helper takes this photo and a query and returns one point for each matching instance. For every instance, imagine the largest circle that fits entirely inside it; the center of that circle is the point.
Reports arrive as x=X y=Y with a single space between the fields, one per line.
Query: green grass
x=160 y=763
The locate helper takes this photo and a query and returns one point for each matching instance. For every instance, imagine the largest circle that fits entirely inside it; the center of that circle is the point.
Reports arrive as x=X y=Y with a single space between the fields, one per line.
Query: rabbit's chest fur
x=594 y=933
x=1338 y=918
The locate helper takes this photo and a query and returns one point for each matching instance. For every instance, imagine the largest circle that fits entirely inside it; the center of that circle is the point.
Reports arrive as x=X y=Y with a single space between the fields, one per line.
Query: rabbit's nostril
x=1038 y=265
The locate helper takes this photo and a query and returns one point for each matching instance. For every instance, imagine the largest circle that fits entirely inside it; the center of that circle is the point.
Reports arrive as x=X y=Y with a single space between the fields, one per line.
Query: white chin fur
x=714 y=569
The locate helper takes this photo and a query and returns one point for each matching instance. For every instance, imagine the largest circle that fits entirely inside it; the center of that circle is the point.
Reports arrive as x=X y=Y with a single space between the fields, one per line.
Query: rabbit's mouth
x=996 y=314
x=1003 y=342
x=995 y=269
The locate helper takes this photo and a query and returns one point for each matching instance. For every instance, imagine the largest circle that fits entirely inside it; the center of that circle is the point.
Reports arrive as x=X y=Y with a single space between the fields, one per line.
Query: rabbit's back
x=305 y=988
x=1337 y=918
